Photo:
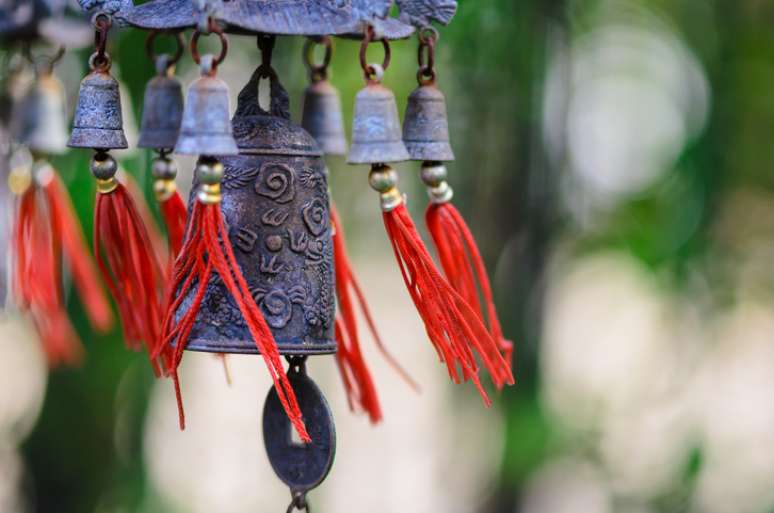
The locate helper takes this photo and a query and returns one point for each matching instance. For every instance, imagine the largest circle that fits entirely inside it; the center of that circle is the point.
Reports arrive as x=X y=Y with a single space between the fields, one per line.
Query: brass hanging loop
x=428 y=36
x=318 y=72
x=213 y=28
x=373 y=72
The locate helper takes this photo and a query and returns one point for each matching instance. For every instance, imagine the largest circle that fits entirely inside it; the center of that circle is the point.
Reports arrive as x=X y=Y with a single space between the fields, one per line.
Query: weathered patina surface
x=275 y=204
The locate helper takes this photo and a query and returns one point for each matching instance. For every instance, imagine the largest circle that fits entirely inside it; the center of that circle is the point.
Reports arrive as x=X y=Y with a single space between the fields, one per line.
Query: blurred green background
x=613 y=161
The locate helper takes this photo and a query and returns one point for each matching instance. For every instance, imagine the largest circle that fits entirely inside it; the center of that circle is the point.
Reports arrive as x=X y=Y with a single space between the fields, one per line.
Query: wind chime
x=258 y=257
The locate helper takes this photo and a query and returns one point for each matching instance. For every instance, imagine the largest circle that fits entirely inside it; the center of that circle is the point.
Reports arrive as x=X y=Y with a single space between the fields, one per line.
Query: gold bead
x=19 y=180
x=107 y=186
x=209 y=194
x=164 y=189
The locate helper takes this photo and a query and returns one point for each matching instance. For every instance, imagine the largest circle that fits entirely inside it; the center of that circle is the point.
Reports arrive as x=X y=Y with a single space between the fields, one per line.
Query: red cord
x=206 y=249
x=454 y=328
x=174 y=214
x=464 y=267
x=129 y=267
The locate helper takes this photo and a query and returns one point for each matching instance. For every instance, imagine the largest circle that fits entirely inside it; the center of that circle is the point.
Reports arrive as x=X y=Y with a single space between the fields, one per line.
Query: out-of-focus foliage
x=614 y=161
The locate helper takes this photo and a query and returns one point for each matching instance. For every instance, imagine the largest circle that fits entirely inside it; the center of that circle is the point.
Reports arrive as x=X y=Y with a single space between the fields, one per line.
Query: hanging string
x=358 y=383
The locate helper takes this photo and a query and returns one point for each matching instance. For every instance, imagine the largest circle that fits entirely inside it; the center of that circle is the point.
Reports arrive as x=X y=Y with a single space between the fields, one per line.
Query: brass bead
x=433 y=173
x=103 y=166
x=209 y=171
x=107 y=186
x=442 y=193
x=209 y=194
x=391 y=199
x=164 y=189
x=19 y=180
x=164 y=168
x=382 y=178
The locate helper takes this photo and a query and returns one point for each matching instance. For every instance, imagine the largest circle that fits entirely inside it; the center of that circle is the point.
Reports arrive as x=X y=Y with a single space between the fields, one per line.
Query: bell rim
x=111 y=138
x=155 y=139
x=216 y=144
x=440 y=151
x=378 y=152
x=325 y=346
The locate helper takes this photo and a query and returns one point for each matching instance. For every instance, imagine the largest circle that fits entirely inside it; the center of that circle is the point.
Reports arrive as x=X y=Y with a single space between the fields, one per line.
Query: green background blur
x=525 y=82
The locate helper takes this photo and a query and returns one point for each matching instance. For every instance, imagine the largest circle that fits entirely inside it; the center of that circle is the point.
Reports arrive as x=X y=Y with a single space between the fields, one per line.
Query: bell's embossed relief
x=275 y=205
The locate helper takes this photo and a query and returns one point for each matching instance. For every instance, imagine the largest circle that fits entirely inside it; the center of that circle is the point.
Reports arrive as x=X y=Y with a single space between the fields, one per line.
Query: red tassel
x=453 y=326
x=129 y=266
x=174 y=213
x=464 y=268
x=38 y=284
x=206 y=249
x=157 y=241
x=85 y=275
x=358 y=383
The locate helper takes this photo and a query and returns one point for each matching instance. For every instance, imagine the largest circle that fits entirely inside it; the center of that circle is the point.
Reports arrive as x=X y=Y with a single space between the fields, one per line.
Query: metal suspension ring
x=212 y=28
x=318 y=72
x=369 y=71
x=153 y=56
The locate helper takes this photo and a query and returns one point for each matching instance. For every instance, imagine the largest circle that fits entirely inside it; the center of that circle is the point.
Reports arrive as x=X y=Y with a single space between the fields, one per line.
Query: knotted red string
x=464 y=268
x=130 y=267
x=454 y=328
x=206 y=250
x=358 y=383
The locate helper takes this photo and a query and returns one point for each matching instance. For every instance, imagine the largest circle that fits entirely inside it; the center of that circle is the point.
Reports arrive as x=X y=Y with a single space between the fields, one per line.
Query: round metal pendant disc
x=300 y=466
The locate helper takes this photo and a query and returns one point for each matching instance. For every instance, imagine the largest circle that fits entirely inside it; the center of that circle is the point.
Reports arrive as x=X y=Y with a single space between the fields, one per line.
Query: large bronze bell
x=275 y=204
x=425 y=126
x=206 y=126
x=376 y=131
x=39 y=118
x=98 y=123
x=162 y=109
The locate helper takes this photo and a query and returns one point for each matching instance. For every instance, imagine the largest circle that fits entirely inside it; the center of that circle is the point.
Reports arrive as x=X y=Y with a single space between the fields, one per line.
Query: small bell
x=41 y=116
x=376 y=132
x=206 y=125
x=452 y=325
x=322 y=107
x=425 y=127
x=98 y=123
x=162 y=108
x=322 y=117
